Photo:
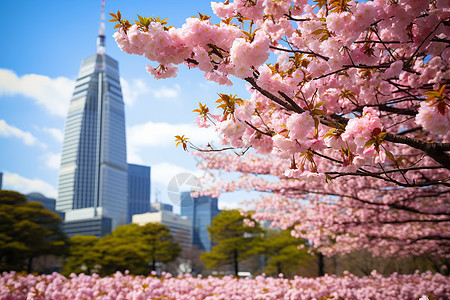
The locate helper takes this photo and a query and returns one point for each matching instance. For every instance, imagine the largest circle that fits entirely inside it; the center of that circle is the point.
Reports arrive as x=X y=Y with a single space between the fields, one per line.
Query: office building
x=49 y=203
x=92 y=188
x=180 y=227
x=156 y=207
x=201 y=211
x=138 y=190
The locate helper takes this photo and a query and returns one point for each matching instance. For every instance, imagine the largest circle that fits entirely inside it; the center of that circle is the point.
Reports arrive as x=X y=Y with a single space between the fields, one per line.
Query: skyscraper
x=138 y=190
x=201 y=211
x=92 y=185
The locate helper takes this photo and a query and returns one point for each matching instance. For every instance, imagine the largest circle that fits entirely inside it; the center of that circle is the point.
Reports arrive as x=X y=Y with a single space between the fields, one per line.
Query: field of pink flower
x=124 y=286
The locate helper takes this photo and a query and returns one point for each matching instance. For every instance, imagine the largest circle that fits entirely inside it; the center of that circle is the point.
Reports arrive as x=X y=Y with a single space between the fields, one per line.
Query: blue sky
x=42 y=45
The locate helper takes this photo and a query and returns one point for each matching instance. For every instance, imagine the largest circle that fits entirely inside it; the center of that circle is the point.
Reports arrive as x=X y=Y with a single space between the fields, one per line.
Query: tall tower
x=93 y=176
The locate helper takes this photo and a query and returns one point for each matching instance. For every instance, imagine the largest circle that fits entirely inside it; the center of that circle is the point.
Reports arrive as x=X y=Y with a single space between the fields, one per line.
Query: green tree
x=80 y=255
x=235 y=242
x=119 y=253
x=281 y=252
x=160 y=245
x=131 y=247
x=27 y=231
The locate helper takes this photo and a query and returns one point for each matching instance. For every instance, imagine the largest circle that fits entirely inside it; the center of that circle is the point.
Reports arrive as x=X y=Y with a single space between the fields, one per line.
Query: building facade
x=49 y=203
x=180 y=227
x=93 y=174
x=138 y=190
x=156 y=207
x=201 y=211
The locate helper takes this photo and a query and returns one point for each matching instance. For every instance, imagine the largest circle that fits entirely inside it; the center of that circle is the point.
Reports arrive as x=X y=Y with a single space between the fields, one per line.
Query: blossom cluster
x=346 y=214
x=349 y=111
x=123 y=286
x=332 y=78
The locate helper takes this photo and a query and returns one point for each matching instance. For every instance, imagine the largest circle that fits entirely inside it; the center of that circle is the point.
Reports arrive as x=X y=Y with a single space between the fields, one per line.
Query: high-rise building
x=1 y=180
x=138 y=190
x=49 y=203
x=92 y=189
x=201 y=211
x=158 y=206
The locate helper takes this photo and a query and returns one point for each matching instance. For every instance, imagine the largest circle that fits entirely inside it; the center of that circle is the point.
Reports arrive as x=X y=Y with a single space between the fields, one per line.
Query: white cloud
x=133 y=156
x=8 y=131
x=52 y=160
x=165 y=92
x=56 y=133
x=166 y=180
x=133 y=90
x=137 y=89
x=52 y=93
x=163 y=172
x=152 y=134
x=15 y=182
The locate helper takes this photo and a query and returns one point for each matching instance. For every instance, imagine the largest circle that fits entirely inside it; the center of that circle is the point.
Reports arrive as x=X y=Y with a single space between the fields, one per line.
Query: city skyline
x=36 y=86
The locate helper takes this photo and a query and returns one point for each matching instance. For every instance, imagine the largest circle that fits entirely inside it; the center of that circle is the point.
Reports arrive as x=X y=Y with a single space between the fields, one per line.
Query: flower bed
x=123 y=286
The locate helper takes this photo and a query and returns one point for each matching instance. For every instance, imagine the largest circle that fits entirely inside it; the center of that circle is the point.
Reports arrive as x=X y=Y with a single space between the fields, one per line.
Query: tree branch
x=300 y=51
x=392 y=205
x=434 y=150
x=267 y=94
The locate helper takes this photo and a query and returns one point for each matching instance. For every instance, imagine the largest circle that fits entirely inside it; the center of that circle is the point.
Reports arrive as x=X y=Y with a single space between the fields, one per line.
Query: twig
x=300 y=51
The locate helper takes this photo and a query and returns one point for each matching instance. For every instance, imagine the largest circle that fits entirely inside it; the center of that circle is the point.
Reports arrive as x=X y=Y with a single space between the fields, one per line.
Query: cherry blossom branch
x=444 y=239
x=296 y=107
x=392 y=109
x=267 y=94
x=289 y=16
x=392 y=205
x=257 y=129
x=410 y=130
x=379 y=42
x=382 y=222
x=329 y=74
x=408 y=63
x=388 y=179
x=375 y=30
x=300 y=51
x=433 y=150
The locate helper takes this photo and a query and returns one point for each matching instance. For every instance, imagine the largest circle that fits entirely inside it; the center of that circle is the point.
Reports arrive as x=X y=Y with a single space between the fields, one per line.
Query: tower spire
x=101 y=32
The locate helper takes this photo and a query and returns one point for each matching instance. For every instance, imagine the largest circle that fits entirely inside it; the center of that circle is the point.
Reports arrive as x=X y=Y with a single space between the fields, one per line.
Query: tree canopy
x=160 y=245
x=135 y=248
x=234 y=241
x=80 y=259
x=27 y=231
x=283 y=253
x=349 y=111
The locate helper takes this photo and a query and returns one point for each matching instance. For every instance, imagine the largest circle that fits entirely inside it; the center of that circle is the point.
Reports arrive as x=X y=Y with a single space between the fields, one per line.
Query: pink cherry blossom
x=346 y=127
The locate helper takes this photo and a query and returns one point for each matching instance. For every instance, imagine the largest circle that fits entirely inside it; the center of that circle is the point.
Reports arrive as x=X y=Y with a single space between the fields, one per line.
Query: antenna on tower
x=101 y=32
x=157 y=195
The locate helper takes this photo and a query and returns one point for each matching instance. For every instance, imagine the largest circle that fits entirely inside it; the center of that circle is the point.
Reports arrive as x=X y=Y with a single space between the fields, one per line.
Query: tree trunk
x=153 y=264
x=30 y=264
x=236 y=263
x=321 y=264
x=335 y=264
x=279 y=269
